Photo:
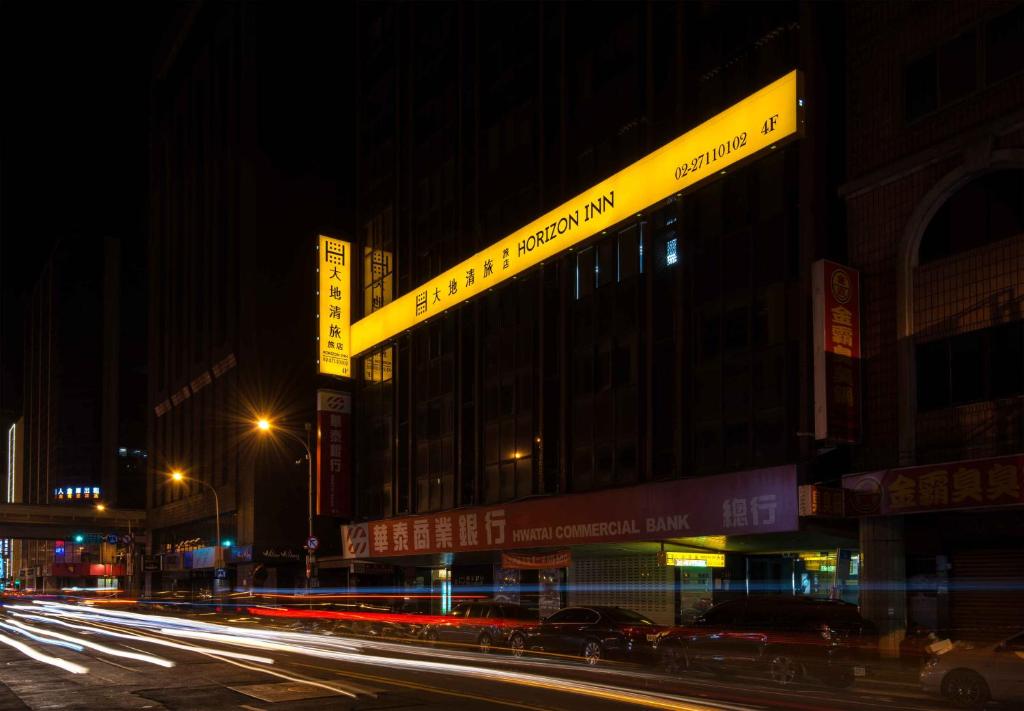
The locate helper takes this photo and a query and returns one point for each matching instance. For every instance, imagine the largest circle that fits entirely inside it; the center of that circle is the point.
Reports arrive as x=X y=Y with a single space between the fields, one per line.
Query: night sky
x=73 y=136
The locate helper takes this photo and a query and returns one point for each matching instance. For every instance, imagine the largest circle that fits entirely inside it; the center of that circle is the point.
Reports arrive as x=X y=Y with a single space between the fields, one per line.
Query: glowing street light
x=264 y=425
x=178 y=476
x=101 y=507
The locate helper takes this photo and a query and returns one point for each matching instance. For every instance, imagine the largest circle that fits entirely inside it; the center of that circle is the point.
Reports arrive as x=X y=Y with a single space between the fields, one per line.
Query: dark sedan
x=789 y=638
x=482 y=624
x=593 y=633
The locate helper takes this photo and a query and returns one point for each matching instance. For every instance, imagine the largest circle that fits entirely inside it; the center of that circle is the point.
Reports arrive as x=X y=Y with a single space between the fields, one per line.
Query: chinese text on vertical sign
x=335 y=312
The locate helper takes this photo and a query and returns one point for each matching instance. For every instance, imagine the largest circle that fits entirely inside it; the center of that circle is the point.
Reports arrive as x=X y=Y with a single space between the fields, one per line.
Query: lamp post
x=265 y=425
x=218 y=557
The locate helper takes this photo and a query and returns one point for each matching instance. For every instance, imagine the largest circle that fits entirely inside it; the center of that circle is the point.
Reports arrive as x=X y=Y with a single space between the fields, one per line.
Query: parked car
x=484 y=624
x=971 y=675
x=789 y=638
x=594 y=633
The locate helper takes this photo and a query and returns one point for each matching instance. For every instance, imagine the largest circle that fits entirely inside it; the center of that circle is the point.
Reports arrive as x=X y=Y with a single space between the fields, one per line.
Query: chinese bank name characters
x=444 y=532
x=747 y=513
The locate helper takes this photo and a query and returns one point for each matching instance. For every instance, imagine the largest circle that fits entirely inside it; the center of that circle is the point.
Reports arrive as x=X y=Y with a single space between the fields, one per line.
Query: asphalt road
x=148 y=661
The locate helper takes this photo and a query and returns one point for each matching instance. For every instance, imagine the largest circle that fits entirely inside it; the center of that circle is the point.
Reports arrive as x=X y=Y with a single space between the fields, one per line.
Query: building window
x=986 y=210
x=1004 y=40
x=971 y=367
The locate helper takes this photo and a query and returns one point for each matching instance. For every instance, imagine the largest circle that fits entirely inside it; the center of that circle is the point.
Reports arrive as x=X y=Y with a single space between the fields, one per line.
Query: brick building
x=935 y=223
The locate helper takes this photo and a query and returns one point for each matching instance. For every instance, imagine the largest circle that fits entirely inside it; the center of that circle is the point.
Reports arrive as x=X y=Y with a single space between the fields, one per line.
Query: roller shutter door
x=987 y=593
x=636 y=582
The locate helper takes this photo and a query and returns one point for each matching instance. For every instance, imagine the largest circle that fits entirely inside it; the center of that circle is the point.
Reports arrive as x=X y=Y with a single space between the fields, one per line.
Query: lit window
x=671 y=256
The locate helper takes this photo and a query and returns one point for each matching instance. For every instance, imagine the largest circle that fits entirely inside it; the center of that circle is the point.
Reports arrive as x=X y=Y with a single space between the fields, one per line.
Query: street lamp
x=101 y=507
x=265 y=425
x=176 y=475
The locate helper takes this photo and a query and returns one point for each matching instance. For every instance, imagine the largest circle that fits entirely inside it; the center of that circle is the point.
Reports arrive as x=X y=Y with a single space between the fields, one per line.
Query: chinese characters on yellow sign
x=758 y=122
x=335 y=311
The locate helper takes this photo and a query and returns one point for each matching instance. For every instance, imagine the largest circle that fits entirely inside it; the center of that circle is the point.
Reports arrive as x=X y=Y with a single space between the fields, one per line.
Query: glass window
x=1004 y=37
x=921 y=91
x=585 y=273
x=621 y=615
x=1007 y=360
x=727 y=613
x=561 y=616
x=958 y=68
x=967 y=367
x=932 y=375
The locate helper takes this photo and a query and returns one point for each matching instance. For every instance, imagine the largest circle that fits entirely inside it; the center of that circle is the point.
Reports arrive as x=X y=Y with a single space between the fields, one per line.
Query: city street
x=135 y=660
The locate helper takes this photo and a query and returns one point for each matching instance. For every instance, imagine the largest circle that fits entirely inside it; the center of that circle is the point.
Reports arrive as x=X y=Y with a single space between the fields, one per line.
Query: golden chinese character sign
x=836 y=293
x=755 y=124
x=957 y=485
x=335 y=312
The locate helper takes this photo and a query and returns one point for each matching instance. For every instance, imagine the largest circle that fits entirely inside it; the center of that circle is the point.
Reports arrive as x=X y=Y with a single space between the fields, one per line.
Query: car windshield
x=623 y=616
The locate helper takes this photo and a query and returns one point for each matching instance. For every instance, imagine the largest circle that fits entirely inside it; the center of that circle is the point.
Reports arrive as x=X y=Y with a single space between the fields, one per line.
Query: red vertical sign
x=837 y=407
x=334 y=456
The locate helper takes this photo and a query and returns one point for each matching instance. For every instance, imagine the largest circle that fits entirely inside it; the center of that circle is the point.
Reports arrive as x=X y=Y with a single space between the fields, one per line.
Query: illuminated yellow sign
x=695 y=560
x=756 y=123
x=335 y=311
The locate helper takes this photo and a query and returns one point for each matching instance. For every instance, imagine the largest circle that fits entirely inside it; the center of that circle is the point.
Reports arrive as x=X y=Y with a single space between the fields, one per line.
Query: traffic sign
x=220 y=574
x=312 y=543
x=112 y=538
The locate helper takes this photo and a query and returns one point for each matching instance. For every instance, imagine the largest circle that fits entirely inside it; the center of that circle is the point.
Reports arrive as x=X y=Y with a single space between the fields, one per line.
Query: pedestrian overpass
x=58 y=521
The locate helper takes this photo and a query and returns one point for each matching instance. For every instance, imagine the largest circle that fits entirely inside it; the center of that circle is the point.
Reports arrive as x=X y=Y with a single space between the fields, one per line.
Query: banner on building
x=334 y=453
x=536 y=561
x=334 y=285
x=761 y=501
x=837 y=397
x=957 y=485
x=753 y=126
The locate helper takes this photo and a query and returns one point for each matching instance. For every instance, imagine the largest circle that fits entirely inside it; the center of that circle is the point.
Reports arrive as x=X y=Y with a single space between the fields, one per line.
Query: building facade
x=244 y=174
x=667 y=357
x=935 y=223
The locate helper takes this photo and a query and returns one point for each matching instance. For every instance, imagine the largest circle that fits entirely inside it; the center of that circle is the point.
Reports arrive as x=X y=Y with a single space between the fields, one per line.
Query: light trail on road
x=361 y=652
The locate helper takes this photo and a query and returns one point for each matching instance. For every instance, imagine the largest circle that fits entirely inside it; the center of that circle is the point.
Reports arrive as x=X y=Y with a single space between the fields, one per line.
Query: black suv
x=789 y=638
x=483 y=624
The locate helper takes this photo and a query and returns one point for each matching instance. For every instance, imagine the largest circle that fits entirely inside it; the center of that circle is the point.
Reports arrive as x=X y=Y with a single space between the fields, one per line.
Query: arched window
x=988 y=209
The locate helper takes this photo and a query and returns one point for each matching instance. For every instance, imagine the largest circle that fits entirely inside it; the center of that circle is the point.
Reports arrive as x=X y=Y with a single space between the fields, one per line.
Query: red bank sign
x=836 y=352
x=334 y=453
x=761 y=501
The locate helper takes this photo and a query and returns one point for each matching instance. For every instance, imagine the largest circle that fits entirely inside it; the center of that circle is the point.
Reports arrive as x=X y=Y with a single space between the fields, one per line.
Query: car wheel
x=517 y=645
x=784 y=670
x=591 y=652
x=431 y=637
x=486 y=643
x=672 y=658
x=966 y=689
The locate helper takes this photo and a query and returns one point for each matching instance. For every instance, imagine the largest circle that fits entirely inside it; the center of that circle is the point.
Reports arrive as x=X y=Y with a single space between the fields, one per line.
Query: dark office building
x=935 y=223
x=670 y=347
x=245 y=170
x=70 y=388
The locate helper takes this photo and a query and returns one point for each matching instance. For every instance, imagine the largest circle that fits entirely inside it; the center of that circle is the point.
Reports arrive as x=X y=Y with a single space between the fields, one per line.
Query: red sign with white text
x=837 y=353
x=334 y=453
x=761 y=501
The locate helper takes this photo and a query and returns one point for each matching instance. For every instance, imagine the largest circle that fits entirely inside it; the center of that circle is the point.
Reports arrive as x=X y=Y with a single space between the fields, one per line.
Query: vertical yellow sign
x=335 y=312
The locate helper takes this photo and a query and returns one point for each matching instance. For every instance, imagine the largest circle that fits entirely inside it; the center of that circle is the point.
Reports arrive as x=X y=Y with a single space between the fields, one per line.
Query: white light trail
x=44 y=658
x=148 y=658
